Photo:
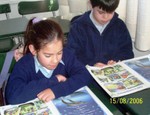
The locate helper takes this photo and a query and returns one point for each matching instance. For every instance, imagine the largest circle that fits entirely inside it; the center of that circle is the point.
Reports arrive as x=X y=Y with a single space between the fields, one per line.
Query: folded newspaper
x=81 y=102
x=124 y=77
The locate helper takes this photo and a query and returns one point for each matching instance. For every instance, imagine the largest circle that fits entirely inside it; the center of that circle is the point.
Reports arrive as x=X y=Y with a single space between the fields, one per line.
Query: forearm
x=22 y=92
x=71 y=85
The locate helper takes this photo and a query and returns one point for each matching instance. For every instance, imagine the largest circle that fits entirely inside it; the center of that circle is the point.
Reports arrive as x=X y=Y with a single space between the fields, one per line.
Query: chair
x=5 y=8
x=6 y=44
x=31 y=7
x=7 y=63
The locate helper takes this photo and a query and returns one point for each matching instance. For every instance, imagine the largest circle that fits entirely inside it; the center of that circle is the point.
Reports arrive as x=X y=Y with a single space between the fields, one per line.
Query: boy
x=99 y=37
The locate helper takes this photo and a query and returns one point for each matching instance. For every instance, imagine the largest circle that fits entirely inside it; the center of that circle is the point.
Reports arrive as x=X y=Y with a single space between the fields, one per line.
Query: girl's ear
x=32 y=49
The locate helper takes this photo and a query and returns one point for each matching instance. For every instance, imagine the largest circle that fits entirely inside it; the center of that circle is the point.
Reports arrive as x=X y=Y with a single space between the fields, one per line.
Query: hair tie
x=36 y=20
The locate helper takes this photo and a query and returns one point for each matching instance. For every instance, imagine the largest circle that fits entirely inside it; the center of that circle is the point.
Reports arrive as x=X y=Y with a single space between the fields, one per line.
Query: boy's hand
x=61 y=78
x=46 y=95
x=99 y=65
x=18 y=53
x=111 y=62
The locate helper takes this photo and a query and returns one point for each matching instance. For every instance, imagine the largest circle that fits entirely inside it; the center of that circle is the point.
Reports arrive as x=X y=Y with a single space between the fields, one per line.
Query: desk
x=138 y=109
x=13 y=27
x=126 y=108
x=64 y=23
x=17 y=26
x=105 y=99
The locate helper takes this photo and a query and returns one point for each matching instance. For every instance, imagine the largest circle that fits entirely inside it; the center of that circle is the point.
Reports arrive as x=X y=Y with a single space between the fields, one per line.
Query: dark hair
x=106 y=5
x=40 y=33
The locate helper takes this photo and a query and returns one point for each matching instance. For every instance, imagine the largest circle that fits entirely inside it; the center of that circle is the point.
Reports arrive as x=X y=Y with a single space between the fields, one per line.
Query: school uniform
x=28 y=78
x=94 y=43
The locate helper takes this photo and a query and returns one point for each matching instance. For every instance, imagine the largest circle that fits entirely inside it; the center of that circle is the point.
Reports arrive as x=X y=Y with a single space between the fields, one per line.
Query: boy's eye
x=59 y=53
x=100 y=12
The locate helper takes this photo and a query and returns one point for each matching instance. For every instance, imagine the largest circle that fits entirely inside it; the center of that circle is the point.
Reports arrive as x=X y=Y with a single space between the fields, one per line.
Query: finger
x=64 y=79
x=43 y=97
x=49 y=98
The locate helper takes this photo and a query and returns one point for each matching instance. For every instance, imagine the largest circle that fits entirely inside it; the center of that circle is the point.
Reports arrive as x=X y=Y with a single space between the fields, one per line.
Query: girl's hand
x=46 y=95
x=61 y=78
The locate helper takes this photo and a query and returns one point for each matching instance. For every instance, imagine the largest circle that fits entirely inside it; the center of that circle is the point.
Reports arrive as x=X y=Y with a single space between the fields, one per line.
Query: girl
x=47 y=70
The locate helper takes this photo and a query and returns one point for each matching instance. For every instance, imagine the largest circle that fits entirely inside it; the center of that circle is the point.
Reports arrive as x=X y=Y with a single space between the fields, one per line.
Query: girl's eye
x=47 y=56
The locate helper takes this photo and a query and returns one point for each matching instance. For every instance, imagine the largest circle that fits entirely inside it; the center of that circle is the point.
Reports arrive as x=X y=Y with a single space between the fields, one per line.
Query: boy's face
x=51 y=54
x=102 y=17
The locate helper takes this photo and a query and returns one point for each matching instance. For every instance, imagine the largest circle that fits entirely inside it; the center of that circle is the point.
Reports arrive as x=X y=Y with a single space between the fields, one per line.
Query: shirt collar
x=97 y=25
x=47 y=73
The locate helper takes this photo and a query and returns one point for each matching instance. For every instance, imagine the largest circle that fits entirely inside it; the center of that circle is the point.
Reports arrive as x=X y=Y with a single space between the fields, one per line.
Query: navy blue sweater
x=24 y=83
x=91 y=47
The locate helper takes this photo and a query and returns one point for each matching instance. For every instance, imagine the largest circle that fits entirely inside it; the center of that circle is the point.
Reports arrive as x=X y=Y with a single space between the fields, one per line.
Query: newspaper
x=124 y=77
x=81 y=102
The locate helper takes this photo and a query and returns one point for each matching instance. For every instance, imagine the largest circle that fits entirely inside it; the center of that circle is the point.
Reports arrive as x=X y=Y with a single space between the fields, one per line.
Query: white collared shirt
x=47 y=73
x=98 y=25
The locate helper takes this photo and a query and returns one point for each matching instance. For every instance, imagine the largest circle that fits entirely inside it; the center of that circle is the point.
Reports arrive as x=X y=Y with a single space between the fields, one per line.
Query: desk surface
x=12 y=27
x=105 y=99
x=134 y=106
x=17 y=26
x=64 y=23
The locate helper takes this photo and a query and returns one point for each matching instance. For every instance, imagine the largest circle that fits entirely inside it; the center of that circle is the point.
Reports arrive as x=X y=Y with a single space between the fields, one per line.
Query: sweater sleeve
x=77 y=42
x=74 y=39
x=23 y=85
x=125 y=44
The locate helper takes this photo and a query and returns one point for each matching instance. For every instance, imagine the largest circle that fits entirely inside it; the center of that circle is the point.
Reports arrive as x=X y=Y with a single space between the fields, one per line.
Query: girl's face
x=102 y=17
x=51 y=54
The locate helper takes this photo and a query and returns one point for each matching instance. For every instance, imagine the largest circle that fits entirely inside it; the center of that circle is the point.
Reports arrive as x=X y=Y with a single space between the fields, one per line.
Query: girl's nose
x=55 y=59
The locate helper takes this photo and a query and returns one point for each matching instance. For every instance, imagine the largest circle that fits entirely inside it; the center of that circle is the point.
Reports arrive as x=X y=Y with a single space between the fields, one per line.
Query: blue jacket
x=24 y=83
x=91 y=47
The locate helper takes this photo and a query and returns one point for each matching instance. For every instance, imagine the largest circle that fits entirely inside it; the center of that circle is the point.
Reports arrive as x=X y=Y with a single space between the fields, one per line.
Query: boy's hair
x=106 y=5
x=40 y=33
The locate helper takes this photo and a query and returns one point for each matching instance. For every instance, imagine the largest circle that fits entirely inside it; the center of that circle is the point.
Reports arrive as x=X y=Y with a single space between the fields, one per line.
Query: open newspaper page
x=119 y=79
x=141 y=65
x=33 y=107
x=81 y=102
